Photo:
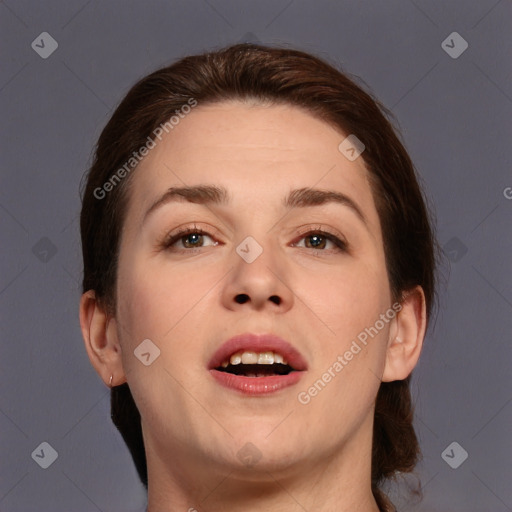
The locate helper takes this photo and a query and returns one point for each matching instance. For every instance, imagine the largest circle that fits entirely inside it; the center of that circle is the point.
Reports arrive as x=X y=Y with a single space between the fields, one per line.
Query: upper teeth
x=254 y=358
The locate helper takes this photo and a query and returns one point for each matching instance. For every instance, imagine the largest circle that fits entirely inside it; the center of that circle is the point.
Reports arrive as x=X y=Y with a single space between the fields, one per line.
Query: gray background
x=455 y=115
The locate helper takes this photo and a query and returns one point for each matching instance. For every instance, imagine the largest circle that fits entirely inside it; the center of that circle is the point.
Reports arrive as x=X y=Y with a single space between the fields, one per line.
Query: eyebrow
x=297 y=198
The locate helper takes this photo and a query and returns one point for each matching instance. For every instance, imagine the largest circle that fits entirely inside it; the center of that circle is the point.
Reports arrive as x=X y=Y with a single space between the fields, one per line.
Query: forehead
x=257 y=152
x=277 y=131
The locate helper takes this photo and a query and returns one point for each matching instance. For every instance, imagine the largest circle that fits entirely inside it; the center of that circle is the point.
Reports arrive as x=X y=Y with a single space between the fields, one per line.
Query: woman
x=259 y=273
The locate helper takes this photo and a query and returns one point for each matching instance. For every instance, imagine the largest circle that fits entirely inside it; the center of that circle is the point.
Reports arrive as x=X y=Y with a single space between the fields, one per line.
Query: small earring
x=110 y=383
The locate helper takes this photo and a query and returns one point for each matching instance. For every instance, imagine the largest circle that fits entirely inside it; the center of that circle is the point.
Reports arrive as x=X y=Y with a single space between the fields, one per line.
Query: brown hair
x=249 y=72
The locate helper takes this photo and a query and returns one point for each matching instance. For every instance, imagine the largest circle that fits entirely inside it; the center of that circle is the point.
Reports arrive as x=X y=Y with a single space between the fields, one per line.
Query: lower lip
x=256 y=385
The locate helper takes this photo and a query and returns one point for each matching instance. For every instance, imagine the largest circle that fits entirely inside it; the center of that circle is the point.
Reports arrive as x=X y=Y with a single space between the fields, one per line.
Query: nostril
x=242 y=298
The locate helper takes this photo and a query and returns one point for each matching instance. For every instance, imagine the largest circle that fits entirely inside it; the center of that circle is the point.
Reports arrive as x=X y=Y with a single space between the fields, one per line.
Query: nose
x=259 y=282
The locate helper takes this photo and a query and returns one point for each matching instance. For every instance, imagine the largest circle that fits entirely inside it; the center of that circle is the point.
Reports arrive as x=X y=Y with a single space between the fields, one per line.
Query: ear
x=405 y=345
x=99 y=331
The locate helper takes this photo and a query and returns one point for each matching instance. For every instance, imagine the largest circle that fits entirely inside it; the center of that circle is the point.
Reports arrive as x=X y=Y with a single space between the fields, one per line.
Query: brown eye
x=319 y=239
x=189 y=239
x=192 y=239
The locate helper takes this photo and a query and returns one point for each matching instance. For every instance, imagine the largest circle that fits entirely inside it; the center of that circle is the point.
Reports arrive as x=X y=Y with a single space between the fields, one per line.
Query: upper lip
x=258 y=343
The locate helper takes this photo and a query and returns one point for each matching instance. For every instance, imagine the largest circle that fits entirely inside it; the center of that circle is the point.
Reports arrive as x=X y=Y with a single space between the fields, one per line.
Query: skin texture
x=314 y=456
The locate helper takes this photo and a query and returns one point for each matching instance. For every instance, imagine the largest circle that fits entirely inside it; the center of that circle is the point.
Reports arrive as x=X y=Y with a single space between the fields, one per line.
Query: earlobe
x=99 y=332
x=404 y=348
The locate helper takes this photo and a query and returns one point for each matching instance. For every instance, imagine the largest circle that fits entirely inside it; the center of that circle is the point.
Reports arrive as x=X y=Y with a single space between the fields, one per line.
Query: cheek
x=350 y=297
x=158 y=304
x=161 y=301
x=349 y=356
x=152 y=302
x=353 y=346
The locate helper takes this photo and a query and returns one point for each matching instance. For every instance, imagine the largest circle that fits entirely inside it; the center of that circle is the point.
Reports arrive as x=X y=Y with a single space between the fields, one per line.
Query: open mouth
x=257 y=370
x=257 y=364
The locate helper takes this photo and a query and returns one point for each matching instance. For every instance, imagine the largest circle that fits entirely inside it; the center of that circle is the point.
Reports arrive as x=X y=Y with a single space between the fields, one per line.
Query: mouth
x=257 y=364
x=254 y=365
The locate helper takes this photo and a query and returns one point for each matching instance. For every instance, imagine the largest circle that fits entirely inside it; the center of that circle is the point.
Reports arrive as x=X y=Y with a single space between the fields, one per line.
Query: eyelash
x=169 y=240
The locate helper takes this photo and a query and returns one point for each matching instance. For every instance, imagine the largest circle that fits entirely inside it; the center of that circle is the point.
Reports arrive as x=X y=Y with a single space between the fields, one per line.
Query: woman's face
x=259 y=267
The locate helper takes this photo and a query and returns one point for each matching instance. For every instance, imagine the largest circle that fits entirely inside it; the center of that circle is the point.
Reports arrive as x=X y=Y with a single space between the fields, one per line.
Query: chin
x=258 y=450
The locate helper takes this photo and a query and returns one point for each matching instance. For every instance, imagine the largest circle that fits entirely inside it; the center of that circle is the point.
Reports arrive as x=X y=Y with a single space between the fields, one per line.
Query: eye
x=189 y=237
x=319 y=238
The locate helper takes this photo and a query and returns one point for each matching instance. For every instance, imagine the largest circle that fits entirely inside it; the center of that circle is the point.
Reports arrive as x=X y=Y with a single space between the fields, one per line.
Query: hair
x=269 y=75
